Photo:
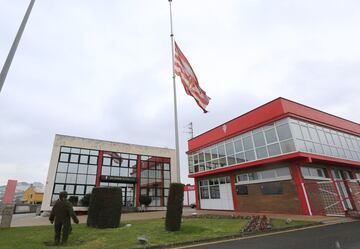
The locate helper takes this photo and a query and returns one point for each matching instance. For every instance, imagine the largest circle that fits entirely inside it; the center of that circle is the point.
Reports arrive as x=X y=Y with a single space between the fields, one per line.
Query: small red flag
x=189 y=80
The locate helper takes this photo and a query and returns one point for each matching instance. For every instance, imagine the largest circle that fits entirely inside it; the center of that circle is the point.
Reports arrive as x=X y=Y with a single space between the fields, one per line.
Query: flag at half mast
x=184 y=70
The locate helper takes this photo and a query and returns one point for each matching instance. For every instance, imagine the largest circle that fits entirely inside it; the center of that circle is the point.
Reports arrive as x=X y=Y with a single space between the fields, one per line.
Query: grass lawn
x=126 y=237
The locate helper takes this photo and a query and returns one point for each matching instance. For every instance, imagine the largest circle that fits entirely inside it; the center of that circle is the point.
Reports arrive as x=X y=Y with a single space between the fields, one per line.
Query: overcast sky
x=102 y=69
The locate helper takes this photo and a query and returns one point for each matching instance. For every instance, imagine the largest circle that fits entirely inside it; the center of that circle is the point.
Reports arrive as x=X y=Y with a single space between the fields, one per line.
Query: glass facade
x=278 y=138
x=76 y=172
x=120 y=166
x=319 y=140
x=267 y=141
x=155 y=179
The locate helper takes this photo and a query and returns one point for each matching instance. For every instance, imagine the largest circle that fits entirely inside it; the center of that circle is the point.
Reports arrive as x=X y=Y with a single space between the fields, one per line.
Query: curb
x=226 y=237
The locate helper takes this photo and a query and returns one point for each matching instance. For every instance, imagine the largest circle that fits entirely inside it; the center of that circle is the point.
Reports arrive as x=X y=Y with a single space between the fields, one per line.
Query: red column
x=99 y=168
x=233 y=190
x=10 y=192
x=296 y=173
x=138 y=180
x=197 y=194
x=338 y=196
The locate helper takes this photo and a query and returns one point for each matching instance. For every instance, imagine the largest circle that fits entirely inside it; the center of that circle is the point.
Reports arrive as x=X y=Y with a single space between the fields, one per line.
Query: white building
x=78 y=165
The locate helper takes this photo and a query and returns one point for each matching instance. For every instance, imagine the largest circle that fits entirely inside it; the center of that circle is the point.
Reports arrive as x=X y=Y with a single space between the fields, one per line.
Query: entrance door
x=128 y=195
x=342 y=189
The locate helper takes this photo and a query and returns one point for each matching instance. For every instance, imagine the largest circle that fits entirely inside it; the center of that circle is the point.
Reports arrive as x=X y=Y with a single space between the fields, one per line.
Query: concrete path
x=20 y=220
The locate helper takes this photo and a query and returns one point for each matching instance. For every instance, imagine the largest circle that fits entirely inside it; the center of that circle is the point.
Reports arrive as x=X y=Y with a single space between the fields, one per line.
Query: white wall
x=224 y=203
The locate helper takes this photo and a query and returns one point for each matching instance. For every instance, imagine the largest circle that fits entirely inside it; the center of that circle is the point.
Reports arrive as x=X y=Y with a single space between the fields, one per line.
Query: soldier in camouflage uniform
x=61 y=213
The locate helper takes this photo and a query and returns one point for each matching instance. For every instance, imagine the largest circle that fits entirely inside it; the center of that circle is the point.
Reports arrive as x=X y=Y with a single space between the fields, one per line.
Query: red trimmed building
x=282 y=157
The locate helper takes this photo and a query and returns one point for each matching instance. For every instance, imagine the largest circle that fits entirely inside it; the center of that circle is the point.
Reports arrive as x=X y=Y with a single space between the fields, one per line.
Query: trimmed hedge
x=174 y=207
x=105 y=207
x=144 y=199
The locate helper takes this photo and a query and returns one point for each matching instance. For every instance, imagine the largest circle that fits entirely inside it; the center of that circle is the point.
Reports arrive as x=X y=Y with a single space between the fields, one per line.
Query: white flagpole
x=175 y=104
x=14 y=46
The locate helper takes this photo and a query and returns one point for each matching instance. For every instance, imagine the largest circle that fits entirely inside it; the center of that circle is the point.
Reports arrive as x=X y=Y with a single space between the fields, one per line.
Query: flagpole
x=14 y=46
x=175 y=102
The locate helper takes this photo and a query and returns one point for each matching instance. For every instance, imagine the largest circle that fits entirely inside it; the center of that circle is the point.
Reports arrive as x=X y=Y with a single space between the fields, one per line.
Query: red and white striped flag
x=189 y=80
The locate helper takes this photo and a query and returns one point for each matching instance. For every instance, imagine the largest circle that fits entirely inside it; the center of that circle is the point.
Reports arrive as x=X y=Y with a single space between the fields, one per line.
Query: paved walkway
x=21 y=220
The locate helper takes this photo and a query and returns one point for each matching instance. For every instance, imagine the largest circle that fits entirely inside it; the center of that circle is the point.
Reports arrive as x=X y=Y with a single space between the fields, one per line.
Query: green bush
x=85 y=201
x=145 y=200
x=174 y=207
x=74 y=200
x=105 y=207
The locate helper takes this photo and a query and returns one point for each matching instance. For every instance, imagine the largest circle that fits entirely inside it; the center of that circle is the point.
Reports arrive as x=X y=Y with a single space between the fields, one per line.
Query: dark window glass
x=241 y=190
x=215 y=192
x=271 y=188
x=204 y=192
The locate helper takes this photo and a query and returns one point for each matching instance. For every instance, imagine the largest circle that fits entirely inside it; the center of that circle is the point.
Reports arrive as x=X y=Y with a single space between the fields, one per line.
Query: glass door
x=342 y=189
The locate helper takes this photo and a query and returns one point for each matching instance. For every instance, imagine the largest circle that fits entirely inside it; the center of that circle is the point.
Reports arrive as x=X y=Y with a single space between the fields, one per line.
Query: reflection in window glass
x=248 y=144
x=270 y=136
x=283 y=132
x=274 y=149
x=60 y=177
x=74 y=158
x=261 y=152
x=71 y=178
x=91 y=179
x=62 y=167
x=250 y=155
x=259 y=139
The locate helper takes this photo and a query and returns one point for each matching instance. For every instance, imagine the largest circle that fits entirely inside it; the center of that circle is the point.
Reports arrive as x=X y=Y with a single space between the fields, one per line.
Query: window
x=271 y=188
x=242 y=190
x=215 y=192
x=283 y=132
x=313 y=173
x=277 y=174
x=204 y=192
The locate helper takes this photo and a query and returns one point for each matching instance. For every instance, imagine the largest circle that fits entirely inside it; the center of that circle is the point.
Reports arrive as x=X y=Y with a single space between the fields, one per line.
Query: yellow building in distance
x=32 y=195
